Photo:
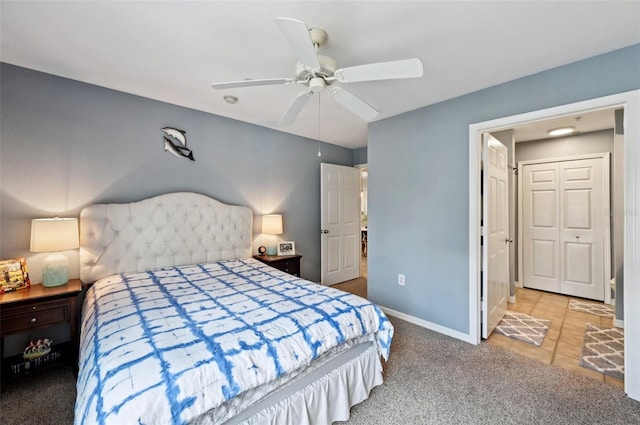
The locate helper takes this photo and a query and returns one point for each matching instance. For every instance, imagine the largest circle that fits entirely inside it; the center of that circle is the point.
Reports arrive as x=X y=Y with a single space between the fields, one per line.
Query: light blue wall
x=66 y=144
x=360 y=156
x=419 y=183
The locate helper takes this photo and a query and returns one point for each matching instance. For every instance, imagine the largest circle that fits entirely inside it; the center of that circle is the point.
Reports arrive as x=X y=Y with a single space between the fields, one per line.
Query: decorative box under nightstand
x=287 y=263
x=40 y=307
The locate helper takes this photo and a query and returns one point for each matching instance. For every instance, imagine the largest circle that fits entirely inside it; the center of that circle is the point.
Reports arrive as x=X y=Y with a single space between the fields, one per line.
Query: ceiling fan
x=319 y=72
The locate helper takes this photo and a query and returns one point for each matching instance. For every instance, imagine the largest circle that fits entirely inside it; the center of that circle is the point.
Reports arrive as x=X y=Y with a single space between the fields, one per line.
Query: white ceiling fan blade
x=353 y=103
x=294 y=109
x=406 y=68
x=297 y=33
x=252 y=83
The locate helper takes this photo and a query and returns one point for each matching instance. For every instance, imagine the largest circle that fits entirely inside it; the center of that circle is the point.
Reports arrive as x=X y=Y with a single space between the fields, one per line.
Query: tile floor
x=563 y=343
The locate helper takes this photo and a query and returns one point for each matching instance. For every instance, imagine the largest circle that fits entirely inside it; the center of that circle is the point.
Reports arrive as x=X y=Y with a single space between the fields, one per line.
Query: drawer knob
x=34 y=320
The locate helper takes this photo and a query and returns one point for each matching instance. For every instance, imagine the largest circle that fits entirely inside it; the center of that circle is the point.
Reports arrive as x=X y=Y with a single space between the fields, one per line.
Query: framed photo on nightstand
x=14 y=275
x=286 y=248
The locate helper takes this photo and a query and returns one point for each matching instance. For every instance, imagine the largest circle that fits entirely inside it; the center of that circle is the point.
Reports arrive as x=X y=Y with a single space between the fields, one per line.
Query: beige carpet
x=356 y=286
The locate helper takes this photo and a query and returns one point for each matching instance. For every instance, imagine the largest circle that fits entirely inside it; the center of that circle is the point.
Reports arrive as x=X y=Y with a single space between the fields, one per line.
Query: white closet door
x=541 y=227
x=582 y=235
x=563 y=207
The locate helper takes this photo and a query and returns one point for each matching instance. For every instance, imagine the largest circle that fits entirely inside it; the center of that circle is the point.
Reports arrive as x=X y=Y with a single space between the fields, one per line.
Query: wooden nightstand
x=41 y=307
x=287 y=263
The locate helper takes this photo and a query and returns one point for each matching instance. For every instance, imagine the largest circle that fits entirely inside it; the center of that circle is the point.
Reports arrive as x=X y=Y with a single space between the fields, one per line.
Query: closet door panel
x=541 y=227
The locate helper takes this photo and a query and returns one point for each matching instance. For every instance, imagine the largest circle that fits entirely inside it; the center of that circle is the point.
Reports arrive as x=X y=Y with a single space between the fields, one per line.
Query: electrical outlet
x=401 y=279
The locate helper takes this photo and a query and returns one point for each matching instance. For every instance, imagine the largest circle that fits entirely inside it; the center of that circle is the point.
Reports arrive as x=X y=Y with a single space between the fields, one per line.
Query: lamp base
x=55 y=271
x=272 y=250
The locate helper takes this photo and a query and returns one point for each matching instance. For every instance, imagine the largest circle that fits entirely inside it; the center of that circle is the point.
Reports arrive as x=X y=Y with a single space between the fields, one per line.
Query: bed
x=181 y=325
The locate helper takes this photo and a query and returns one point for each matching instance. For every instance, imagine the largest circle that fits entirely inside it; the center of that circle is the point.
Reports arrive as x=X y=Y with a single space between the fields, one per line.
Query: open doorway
x=364 y=215
x=358 y=286
x=630 y=103
x=590 y=157
x=561 y=234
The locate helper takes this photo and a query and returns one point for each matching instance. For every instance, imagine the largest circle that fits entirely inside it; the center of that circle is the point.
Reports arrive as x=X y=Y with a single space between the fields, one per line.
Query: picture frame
x=286 y=248
x=14 y=275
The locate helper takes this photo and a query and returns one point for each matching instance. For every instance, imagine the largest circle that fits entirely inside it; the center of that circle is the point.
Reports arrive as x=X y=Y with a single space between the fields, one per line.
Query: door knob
x=508 y=240
x=324 y=231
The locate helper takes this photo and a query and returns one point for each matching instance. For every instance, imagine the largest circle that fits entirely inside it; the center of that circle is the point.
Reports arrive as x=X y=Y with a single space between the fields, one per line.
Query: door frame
x=606 y=161
x=363 y=167
x=630 y=102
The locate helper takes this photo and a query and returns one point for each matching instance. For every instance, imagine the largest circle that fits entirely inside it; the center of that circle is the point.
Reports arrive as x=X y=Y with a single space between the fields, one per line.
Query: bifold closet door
x=563 y=227
x=541 y=227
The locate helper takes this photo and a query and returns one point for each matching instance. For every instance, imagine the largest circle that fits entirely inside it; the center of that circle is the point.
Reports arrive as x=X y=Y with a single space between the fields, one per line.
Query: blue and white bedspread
x=166 y=346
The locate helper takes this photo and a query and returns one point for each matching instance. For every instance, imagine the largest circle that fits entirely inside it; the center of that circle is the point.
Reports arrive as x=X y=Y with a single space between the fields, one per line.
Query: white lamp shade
x=272 y=224
x=54 y=234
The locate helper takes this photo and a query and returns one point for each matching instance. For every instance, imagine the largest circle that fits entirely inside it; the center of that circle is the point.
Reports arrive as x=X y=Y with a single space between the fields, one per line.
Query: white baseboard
x=512 y=299
x=517 y=284
x=429 y=325
x=618 y=323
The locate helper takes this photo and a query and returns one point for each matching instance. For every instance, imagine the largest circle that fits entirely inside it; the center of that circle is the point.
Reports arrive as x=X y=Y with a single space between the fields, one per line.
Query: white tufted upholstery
x=165 y=231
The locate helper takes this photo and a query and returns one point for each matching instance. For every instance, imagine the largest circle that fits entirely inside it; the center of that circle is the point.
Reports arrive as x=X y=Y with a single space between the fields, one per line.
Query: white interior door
x=340 y=223
x=582 y=204
x=495 y=276
x=565 y=230
x=540 y=226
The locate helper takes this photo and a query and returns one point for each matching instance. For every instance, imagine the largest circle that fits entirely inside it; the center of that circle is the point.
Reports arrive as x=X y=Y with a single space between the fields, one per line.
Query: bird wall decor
x=176 y=143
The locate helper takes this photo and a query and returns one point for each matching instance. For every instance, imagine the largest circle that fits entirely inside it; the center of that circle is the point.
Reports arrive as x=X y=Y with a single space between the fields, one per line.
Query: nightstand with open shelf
x=37 y=307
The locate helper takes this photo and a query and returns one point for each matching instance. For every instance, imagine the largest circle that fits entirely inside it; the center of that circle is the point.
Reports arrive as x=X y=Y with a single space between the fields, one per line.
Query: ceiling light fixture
x=561 y=131
x=231 y=99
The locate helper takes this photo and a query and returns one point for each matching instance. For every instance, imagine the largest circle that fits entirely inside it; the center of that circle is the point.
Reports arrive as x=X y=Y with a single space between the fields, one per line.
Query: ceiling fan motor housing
x=328 y=67
x=317 y=84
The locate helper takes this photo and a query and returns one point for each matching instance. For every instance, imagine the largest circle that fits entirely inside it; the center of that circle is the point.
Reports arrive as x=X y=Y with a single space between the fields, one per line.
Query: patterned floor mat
x=603 y=310
x=603 y=350
x=523 y=327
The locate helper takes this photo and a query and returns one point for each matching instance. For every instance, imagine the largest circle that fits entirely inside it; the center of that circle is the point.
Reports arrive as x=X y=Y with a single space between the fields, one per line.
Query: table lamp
x=272 y=225
x=53 y=235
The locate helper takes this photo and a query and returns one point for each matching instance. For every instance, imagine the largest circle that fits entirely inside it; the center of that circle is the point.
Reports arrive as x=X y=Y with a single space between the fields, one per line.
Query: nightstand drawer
x=290 y=266
x=287 y=263
x=23 y=317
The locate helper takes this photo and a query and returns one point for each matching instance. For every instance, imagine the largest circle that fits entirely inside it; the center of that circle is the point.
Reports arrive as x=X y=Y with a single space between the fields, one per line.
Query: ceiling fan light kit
x=317 y=72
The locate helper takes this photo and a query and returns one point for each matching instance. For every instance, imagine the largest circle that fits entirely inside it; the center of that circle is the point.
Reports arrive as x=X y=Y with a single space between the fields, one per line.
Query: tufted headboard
x=164 y=231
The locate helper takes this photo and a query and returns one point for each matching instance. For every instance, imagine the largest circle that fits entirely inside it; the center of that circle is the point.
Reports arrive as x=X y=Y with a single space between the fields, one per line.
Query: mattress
x=176 y=345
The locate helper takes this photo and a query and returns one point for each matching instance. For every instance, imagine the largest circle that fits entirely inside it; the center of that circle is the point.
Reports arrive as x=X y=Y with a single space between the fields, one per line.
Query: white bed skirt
x=325 y=399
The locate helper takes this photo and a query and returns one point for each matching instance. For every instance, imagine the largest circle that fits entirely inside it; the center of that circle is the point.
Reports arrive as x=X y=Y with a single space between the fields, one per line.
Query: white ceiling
x=583 y=123
x=172 y=51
